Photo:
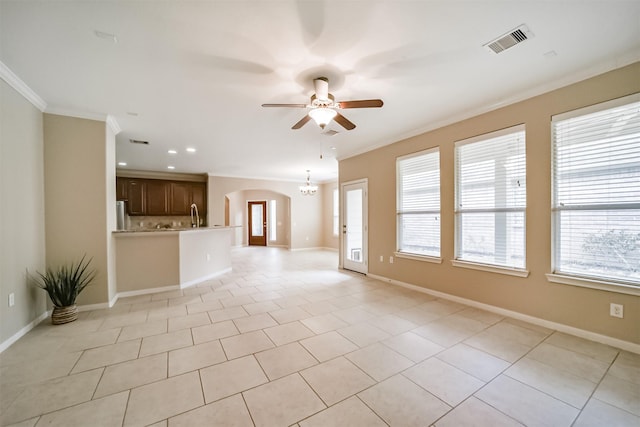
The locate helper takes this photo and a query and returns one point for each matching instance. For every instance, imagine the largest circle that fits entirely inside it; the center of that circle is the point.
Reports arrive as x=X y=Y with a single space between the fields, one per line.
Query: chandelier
x=308 y=189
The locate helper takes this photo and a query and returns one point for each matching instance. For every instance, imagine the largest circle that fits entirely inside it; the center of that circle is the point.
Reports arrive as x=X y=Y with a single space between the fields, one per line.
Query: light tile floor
x=287 y=339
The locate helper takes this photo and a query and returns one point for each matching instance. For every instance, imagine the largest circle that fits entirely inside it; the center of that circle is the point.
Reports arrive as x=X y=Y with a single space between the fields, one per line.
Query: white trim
x=416 y=257
x=135 y=293
x=344 y=261
x=22 y=332
x=60 y=111
x=581 y=333
x=171 y=287
x=493 y=134
x=603 y=285
x=203 y=278
x=315 y=248
x=89 y=307
x=547 y=87
x=21 y=87
x=601 y=106
x=113 y=124
x=518 y=272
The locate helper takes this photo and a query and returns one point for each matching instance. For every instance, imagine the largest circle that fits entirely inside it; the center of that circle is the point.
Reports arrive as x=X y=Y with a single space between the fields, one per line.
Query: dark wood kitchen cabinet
x=158 y=197
x=136 y=197
x=121 y=188
x=184 y=194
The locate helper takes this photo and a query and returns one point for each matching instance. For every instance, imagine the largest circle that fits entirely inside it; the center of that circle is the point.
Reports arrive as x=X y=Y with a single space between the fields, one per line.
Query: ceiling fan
x=323 y=107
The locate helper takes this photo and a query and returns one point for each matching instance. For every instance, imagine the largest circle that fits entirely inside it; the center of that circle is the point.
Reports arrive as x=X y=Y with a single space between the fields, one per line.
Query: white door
x=354 y=226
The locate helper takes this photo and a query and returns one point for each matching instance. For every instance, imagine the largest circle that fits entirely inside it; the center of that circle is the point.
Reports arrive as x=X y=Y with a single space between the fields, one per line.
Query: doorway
x=257 y=223
x=354 y=226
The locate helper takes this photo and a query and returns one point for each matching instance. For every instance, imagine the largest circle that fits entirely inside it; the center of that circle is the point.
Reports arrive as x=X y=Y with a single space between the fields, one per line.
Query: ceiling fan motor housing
x=328 y=102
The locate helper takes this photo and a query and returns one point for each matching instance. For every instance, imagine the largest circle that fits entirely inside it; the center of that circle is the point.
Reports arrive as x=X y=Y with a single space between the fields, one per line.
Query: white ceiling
x=195 y=73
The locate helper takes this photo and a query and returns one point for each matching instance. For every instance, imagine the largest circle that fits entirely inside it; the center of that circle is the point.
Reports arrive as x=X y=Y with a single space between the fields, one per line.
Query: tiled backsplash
x=151 y=222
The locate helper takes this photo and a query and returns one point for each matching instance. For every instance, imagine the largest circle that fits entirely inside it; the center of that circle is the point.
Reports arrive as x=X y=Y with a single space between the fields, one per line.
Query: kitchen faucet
x=194 y=208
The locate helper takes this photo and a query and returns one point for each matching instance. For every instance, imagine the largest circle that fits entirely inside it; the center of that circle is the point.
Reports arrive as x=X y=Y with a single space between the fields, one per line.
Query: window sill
x=603 y=285
x=491 y=268
x=416 y=257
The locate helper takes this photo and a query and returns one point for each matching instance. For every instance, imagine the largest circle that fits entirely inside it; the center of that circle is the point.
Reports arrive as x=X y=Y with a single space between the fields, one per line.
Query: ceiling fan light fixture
x=322 y=115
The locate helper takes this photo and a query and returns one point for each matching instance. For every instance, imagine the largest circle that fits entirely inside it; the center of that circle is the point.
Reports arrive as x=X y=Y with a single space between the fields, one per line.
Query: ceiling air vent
x=510 y=39
x=138 y=141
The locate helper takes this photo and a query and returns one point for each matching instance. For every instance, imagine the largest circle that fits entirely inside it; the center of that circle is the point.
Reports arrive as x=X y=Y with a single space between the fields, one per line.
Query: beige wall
x=306 y=211
x=329 y=240
x=238 y=211
x=147 y=262
x=22 y=238
x=77 y=187
x=583 y=308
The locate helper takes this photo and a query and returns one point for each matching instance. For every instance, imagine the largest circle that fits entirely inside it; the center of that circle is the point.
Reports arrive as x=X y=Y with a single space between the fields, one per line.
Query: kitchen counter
x=167 y=230
x=163 y=259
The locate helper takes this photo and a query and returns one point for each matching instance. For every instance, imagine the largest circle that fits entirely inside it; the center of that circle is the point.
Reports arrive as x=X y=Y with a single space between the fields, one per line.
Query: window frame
x=473 y=264
x=416 y=255
x=593 y=281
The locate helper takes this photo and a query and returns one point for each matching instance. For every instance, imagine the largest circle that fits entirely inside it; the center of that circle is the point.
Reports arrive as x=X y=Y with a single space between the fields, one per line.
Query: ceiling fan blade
x=302 y=122
x=365 y=103
x=344 y=122
x=286 y=105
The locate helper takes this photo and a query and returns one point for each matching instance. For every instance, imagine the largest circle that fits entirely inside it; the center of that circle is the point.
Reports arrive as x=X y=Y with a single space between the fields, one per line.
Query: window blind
x=596 y=191
x=418 y=203
x=491 y=197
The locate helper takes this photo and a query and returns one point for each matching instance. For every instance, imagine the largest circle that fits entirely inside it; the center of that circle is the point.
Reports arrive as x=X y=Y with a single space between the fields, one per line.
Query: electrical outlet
x=390 y=260
x=12 y=299
x=381 y=258
x=616 y=310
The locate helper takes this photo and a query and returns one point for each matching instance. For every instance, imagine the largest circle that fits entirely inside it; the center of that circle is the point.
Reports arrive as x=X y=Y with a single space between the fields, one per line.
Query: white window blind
x=596 y=191
x=418 y=203
x=491 y=198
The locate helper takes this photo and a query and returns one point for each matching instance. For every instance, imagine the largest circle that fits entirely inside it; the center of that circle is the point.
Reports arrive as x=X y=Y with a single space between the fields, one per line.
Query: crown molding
x=108 y=119
x=21 y=87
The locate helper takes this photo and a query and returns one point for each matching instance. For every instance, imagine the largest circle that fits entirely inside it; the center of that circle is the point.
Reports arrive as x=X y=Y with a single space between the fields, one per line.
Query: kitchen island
x=164 y=259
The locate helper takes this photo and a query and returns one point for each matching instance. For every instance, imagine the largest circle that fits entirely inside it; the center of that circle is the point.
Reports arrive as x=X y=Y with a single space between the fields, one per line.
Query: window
x=418 y=204
x=336 y=212
x=272 y=221
x=491 y=197
x=596 y=192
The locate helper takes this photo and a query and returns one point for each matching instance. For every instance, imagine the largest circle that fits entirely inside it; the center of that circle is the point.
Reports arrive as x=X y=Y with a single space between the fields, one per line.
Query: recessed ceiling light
x=122 y=164
x=172 y=152
x=106 y=36
x=191 y=150
x=171 y=167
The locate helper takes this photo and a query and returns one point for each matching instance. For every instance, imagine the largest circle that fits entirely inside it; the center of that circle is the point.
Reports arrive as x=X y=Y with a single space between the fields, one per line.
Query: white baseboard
x=204 y=278
x=89 y=307
x=22 y=332
x=603 y=339
x=170 y=287
x=315 y=248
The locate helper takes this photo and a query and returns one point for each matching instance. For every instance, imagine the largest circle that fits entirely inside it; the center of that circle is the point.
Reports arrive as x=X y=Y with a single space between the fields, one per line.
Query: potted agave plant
x=63 y=285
